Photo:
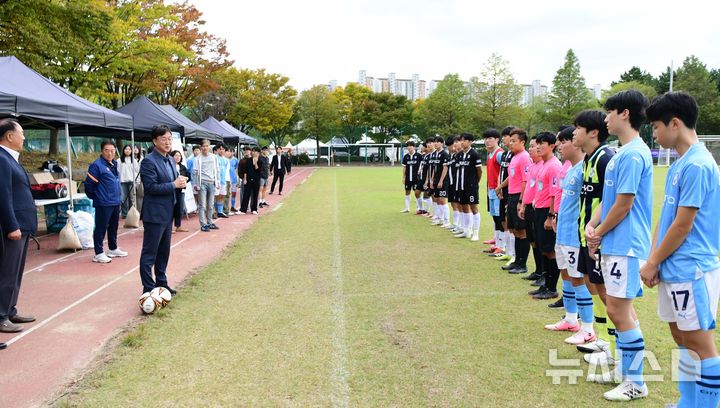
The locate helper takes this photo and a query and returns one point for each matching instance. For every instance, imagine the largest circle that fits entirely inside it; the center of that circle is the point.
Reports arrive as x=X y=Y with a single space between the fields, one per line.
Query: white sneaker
x=254 y=212
x=599 y=358
x=594 y=346
x=459 y=234
x=117 y=253
x=604 y=377
x=446 y=225
x=475 y=237
x=405 y=211
x=101 y=258
x=627 y=391
x=468 y=233
x=436 y=222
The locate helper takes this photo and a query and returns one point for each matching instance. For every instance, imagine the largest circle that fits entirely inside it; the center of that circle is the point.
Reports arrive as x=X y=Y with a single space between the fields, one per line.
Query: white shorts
x=233 y=188
x=567 y=258
x=222 y=191
x=692 y=305
x=622 y=275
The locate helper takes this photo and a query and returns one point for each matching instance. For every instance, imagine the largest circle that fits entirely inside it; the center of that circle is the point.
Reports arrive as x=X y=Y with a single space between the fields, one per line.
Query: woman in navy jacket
x=102 y=185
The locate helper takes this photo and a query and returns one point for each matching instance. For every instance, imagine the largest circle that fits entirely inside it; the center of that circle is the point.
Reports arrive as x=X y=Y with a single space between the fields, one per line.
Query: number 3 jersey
x=693 y=181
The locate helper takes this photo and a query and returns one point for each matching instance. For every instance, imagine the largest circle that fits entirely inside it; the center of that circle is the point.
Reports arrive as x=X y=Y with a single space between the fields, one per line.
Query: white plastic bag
x=84 y=225
x=68 y=236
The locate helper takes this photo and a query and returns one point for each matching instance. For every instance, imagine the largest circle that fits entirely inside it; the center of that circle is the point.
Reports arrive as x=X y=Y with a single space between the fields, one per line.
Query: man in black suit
x=279 y=166
x=18 y=220
x=252 y=173
x=159 y=179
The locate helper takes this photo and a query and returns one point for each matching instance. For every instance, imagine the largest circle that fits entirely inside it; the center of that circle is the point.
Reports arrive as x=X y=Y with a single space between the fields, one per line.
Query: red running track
x=80 y=305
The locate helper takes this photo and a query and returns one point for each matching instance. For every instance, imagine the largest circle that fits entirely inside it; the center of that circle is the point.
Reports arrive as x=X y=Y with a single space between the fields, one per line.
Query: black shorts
x=452 y=194
x=514 y=221
x=420 y=185
x=503 y=209
x=530 y=222
x=588 y=266
x=544 y=239
x=410 y=185
x=441 y=191
x=469 y=196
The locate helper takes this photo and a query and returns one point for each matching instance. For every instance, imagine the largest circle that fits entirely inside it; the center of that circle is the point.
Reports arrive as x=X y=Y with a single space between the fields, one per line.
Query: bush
x=301 y=159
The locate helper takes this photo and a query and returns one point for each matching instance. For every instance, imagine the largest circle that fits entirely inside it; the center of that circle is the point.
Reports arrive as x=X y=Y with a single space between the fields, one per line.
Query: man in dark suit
x=252 y=173
x=279 y=166
x=159 y=179
x=18 y=220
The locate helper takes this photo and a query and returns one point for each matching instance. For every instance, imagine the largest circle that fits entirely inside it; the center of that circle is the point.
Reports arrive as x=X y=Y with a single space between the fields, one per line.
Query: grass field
x=339 y=300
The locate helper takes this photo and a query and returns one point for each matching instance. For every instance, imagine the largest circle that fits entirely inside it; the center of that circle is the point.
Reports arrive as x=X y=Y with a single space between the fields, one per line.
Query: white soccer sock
x=428 y=204
x=419 y=203
x=434 y=209
x=510 y=244
x=571 y=317
x=446 y=213
x=407 y=202
x=476 y=221
x=500 y=240
x=587 y=327
x=456 y=218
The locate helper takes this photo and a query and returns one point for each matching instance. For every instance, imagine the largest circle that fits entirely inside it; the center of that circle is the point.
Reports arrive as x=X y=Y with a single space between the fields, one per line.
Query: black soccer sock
x=522 y=250
x=553 y=274
x=498 y=223
x=537 y=255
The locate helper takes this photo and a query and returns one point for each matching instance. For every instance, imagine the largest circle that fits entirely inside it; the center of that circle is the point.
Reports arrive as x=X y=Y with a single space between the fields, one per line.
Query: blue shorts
x=494 y=203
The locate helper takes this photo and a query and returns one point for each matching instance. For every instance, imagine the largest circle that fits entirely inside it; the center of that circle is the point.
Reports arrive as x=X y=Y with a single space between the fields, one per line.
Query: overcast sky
x=313 y=42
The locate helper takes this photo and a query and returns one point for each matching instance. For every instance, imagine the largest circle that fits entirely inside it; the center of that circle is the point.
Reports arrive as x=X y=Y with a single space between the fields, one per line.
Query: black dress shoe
x=171 y=290
x=22 y=319
x=539 y=282
x=536 y=291
x=518 y=270
x=557 y=304
x=508 y=267
x=533 y=276
x=3 y=346
x=546 y=294
x=222 y=215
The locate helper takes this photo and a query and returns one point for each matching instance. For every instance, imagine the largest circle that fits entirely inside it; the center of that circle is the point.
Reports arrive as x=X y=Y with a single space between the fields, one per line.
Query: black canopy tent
x=228 y=132
x=147 y=114
x=38 y=103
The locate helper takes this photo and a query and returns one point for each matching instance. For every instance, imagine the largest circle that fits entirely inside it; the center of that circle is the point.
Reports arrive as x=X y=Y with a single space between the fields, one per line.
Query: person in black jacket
x=279 y=166
x=18 y=221
x=252 y=173
x=241 y=172
x=179 y=192
x=264 y=175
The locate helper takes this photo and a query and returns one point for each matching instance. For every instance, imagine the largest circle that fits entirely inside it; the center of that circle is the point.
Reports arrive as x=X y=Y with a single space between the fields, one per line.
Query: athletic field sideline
x=338 y=299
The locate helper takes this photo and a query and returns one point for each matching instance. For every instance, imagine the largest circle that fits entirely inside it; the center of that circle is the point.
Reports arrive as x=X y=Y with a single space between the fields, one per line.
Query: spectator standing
x=190 y=162
x=223 y=177
x=241 y=172
x=264 y=174
x=179 y=192
x=102 y=185
x=206 y=173
x=233 y=181
x=18 y=221
x=279 y=166
x=129 y=168
x=251 y=182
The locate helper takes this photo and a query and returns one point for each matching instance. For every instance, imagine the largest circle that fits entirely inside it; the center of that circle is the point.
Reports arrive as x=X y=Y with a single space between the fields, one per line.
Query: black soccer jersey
x=467 y=170
x=412 y=165
x=451 y=169
x=424 y=168
x=441 y=159
x=504 y=167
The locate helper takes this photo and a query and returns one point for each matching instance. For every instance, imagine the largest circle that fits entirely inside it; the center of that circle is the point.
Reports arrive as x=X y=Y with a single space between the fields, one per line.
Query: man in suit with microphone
x=18 y=221
x=159 y=179
x=278 y=167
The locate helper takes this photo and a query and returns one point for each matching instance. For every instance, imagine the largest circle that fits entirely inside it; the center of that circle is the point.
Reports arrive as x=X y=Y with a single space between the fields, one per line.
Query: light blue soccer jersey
x=629 y=172
x=692 y=181
x=223 y=164
x=569 y=213
x=233 y=170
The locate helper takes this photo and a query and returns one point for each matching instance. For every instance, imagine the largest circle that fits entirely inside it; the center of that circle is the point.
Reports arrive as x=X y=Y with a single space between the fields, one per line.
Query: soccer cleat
x=536 y=291
x=503 y=257
x=557 y=304
x=459 y=234
x=468 y=233
x=594 y=347
x=490 y=250
x=605 y=377
x=511 y=261
x=533 y=276
x=101 y=258
x=117 y=253
x=475 y=237
x=508 y=267
x=600 y=358
x=581 y=337
x=489 y=242
x=627 y=391
x=436 y=222
x=563 y=325
x=518 y=270
x=498 y=250
x=447 y=225
x=407 y=210
x=418 y=212
x=546 y=294
x=539 y=283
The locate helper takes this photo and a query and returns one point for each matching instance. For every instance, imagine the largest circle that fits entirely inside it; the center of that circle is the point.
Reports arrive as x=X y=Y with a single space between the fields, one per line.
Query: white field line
x=438 y=293
x=84 y=298
x=340 y=389
x=54 y=261
x=277 y=207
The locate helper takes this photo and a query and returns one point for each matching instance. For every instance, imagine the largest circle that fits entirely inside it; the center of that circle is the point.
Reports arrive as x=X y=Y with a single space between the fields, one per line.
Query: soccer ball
x=148 y=304
x=161 y=295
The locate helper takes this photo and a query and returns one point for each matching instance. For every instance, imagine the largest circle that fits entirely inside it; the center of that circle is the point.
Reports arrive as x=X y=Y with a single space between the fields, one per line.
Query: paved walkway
x=80 y=305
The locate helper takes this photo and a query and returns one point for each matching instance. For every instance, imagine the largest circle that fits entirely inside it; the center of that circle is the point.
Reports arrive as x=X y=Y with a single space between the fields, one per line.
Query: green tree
x=635 y=74
x=647 y=90
x=389 y=114
x=318 y=111
x=495 y=94
x=352 y=101
x=694 y=78
x=662 y=82
x=534 y=117
x=447 y=110
x=569 y=94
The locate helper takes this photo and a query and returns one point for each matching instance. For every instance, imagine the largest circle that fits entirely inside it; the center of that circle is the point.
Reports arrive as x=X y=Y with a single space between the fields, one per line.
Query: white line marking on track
x=340 y=389
x=277 y=207
x=84 y=298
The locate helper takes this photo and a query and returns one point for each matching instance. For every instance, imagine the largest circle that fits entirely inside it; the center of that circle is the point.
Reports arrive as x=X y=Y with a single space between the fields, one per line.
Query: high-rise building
x=597 y=91
x=413 y=88
x=332 y=85
x=532 y=91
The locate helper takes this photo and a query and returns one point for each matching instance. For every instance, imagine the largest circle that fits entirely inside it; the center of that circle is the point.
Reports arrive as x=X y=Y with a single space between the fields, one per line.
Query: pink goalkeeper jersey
x=548 y=182
x=558 y=193
x=519 y=165
x=531 y=186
